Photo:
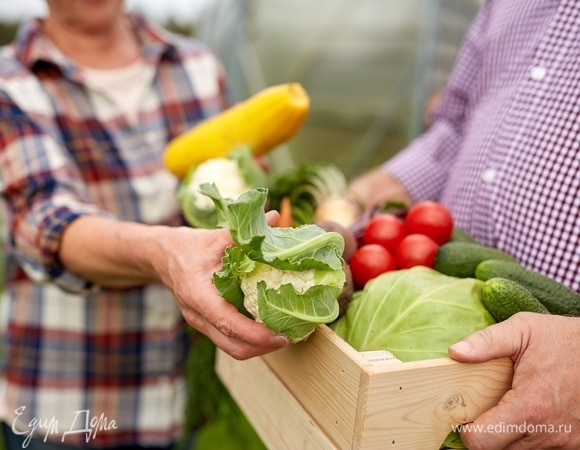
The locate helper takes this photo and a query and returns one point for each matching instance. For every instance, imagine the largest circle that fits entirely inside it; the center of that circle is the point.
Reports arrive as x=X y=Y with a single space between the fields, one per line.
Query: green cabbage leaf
x=415 y=314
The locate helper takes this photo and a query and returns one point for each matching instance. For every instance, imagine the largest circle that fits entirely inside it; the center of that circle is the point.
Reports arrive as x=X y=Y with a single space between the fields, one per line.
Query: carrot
x=285 y=213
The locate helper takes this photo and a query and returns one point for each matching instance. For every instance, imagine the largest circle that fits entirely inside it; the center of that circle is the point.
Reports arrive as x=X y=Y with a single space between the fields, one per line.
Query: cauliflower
x=232 y=176
x=274 y=278
x=287 y=278
x=226 y=175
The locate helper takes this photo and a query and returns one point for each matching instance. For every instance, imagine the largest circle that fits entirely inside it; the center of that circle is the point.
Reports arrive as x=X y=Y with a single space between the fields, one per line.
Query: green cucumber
x=556 y=297
x=459 y=235
x=460 y=259
x=503 y=298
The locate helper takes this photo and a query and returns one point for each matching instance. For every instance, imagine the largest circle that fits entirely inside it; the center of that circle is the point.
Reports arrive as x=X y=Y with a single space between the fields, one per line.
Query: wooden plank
x=416 y=404
x=324 y=374
x=278 y=418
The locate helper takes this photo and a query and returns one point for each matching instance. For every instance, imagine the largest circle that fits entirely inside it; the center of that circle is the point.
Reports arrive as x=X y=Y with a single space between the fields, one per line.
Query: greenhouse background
x=369 y=66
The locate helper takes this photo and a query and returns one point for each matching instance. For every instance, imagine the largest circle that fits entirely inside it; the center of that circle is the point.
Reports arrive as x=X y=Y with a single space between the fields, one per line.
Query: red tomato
x=431 y=219
x=369 y=261
x=384 y=229
x=416 y=250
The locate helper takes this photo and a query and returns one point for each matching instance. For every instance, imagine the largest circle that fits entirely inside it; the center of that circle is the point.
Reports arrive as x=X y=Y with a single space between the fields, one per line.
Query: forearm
x=110 y=253
x=420 y=171
x=123 y=254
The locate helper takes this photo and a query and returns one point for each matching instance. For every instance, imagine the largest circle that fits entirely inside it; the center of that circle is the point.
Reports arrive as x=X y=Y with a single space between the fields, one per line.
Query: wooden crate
x=323 y=394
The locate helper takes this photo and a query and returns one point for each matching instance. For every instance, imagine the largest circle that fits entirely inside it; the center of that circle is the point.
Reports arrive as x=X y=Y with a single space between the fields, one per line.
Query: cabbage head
x=415 y=313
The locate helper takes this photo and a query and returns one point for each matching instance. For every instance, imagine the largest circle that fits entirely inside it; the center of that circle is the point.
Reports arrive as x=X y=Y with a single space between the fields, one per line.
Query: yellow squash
x=262 y=122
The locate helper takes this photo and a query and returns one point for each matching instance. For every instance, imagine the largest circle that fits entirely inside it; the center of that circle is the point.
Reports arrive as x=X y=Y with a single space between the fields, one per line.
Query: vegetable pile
x=424 y=235
x=317 y=192
x=410 y=282
x=391 y=242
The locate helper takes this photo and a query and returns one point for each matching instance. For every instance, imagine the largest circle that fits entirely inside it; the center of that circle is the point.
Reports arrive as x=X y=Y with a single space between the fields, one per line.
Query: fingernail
x=279 y=340
x=461 y=347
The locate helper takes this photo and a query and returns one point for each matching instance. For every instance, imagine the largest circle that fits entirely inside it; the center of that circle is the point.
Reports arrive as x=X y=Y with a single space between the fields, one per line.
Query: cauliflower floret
x=301 y=280
x=225 y=174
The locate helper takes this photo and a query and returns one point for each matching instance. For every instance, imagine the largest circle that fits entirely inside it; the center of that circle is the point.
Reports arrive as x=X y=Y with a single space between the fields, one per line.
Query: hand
x=131 y=254
x=376 y=186
x=191 y=258
x=541 y=410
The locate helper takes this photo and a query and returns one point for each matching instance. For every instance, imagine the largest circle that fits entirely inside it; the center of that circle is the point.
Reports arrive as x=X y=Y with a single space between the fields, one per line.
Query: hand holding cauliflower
x=287 y=278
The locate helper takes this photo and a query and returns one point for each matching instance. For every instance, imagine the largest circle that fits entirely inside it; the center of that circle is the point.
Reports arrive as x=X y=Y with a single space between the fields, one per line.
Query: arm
x=124 y=254
x=542 y=406
x=421 y=170
x=59 y=236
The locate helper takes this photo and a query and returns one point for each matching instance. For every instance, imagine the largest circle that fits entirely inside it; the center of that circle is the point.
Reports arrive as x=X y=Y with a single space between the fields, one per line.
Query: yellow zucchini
x=262 y=122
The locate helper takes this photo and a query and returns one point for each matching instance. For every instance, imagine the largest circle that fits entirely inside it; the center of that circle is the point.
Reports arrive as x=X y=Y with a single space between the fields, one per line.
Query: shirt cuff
x=49 y=269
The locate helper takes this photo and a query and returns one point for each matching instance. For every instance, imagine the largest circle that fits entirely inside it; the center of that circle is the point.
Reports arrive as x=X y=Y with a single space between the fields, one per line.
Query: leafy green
x=453 y=440
x=415 y=314
x=287 y=278
x=234 y=175
x=285 y=310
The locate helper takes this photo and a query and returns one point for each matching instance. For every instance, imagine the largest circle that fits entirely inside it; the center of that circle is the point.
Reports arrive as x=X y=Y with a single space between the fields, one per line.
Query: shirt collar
x=32 y=47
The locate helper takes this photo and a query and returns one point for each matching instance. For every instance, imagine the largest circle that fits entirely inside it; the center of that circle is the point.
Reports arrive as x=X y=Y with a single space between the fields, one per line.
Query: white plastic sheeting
x=368 y=65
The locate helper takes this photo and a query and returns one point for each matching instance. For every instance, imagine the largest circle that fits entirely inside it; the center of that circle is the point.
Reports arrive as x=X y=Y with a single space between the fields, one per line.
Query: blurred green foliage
x=7 y=32
x=212 y=416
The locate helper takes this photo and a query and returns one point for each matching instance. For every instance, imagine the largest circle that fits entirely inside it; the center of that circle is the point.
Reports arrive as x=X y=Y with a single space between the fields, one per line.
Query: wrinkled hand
x=192 y=256
x=542 y=409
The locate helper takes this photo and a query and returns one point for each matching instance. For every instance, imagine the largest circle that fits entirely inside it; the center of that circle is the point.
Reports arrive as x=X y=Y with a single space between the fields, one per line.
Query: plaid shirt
x=92 y=366
x=504 y=149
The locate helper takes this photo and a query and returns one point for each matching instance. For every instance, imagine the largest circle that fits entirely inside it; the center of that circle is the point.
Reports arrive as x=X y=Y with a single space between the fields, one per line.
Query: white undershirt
x=124 y=86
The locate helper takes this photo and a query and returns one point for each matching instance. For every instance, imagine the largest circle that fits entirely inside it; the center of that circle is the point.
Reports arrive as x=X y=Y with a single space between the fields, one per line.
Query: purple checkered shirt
x=503 y=150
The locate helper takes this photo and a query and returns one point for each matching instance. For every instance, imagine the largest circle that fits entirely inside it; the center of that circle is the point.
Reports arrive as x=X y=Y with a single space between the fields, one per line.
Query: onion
x=350 y=244
x=342 y=210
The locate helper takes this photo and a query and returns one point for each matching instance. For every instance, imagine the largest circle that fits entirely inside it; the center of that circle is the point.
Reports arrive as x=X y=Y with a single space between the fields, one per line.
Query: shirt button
x=488 y=175
x=537 y=73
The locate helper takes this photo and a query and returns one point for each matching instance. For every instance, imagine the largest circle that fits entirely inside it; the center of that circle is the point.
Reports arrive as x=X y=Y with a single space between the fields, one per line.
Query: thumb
x=496 y=341
x=272 y=217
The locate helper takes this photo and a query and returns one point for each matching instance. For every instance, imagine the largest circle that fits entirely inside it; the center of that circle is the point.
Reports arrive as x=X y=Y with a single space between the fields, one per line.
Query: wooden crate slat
x=276 y=415
x=416 y=404
x=324 y=374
